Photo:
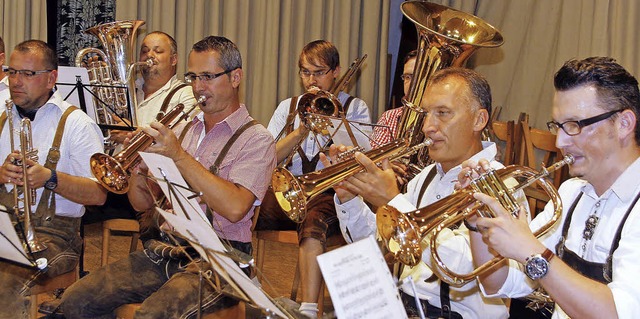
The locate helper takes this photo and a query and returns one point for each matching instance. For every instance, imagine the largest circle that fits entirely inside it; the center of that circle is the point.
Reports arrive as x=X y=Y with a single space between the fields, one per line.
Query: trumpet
x=403 y=233
x=294 y=192
x=24 y=197
x=113 y=173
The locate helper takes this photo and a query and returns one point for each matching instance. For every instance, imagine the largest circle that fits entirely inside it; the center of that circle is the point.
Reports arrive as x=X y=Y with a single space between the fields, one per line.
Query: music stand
x=73 y=84
x=11 y=247
x=190 y=222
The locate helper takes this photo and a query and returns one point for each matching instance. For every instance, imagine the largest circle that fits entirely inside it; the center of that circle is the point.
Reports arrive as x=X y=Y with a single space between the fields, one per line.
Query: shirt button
x=344 y=212
x=438 y=196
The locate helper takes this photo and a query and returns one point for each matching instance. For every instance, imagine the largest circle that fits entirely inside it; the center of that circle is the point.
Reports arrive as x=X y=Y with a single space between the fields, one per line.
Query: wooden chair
x=541 y=144
x=38 y=291
x=504 y=132
x=123 y=225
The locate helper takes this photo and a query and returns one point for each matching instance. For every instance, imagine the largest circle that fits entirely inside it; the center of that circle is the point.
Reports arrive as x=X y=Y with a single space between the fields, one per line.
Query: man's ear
x=174 y=59
x=236 y=77
x=482 y=118
x=627 y=122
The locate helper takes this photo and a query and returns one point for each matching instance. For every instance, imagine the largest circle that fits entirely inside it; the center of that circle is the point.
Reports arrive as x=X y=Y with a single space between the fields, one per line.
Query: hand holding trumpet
x=11 y=171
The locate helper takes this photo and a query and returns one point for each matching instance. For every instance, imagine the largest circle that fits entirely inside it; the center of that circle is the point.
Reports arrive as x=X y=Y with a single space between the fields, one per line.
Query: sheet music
x=159 y=164
x=10 y=244
x=360 y=283
x=207 y=239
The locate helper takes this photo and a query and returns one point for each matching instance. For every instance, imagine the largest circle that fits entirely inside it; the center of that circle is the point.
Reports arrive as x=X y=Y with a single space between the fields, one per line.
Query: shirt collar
x=626 y=186
x=488 y=152
x=233 y=121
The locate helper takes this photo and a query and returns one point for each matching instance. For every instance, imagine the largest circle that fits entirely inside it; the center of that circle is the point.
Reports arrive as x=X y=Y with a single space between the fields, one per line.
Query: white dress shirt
x=358 y=112
x=610 y=207
x=149 y=107
x=81 y=139
x=358 y=221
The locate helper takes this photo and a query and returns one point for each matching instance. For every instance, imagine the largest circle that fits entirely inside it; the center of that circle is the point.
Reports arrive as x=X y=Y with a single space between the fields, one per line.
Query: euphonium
x=446 y=37
x=112 y=172
x=294 y=192
x=24 y=197
x=315 y=106
x=112 y=74
x=403 y=233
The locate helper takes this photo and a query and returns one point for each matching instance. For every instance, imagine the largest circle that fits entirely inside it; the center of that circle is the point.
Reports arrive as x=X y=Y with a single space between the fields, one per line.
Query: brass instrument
x=111 y=74
x=315 y=106
x=294 y=192
x=403 y=233
x=113 y=173
x=446 y=37
x=24 y=197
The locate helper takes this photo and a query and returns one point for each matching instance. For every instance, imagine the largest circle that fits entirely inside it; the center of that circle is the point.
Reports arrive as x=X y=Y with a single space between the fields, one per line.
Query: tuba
x=113 y=173
x=446 y=37
x=111 y=74
x=403 y=233
x=24 y=197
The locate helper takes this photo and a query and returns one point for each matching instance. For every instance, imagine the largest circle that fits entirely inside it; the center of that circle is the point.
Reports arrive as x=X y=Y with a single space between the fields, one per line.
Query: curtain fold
x=22 y=20
x=270 y=35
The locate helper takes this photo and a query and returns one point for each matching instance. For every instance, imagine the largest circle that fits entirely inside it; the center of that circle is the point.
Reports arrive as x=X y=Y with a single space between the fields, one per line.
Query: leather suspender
x=216 y=165
x=167 y=99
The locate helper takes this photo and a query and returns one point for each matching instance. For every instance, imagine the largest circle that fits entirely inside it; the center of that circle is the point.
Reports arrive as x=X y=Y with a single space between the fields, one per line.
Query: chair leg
x=106 y=234
x=296 y=282
x=134 y=242
x=321 y=299
x=260 y=255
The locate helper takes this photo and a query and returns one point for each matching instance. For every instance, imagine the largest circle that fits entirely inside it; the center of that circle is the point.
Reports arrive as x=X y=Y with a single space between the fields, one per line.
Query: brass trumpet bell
x=404 y=233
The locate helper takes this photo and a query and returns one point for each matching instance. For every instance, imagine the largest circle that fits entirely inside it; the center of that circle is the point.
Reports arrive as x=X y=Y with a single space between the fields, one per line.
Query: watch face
x=536 y=267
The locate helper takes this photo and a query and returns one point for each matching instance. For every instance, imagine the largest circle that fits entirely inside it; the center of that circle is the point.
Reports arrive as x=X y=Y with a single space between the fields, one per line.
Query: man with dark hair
x=595 y=273
x=458 y=104
x=319 y=65
x=232 y=185
x=61 y=175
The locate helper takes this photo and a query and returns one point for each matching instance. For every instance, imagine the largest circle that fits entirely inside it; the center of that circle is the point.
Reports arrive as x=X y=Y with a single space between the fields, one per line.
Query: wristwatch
x=537 y=265
x=52 y=183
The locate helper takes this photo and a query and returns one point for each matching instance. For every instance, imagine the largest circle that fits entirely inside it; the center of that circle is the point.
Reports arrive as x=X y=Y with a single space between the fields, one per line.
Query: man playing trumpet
x=595 y=273
x=458 y=103
x=61 y=176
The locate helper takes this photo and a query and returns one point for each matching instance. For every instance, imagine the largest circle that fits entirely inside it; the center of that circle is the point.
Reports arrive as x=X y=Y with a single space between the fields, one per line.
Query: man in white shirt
x=61 y=175
x=4 y=80
x=595 y=273
x=319 y=65
x=458 y=103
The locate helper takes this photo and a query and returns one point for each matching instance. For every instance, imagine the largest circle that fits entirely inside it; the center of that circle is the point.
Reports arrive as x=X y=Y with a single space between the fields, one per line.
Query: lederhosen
x=431 y=311
x=600 y=272
x=308 y=165
x=46 y=209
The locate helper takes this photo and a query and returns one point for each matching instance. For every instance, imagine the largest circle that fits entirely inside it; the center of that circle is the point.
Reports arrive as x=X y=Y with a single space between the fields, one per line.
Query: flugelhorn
x=294 y=192
x=446 y=37
x=24 y=197
x=403 y=233
x=113 y=173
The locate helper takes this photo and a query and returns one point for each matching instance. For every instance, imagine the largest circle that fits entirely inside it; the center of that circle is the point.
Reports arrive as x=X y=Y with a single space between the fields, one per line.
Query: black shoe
x=51 y=309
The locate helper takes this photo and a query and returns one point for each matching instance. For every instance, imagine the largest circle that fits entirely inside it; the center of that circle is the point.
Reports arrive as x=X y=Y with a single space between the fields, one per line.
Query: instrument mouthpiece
x=201 y=99
x=568 y=159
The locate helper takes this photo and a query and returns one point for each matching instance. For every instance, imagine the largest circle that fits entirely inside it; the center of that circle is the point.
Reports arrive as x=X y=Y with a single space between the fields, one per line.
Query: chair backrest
x=542 y=142
x=504 y=132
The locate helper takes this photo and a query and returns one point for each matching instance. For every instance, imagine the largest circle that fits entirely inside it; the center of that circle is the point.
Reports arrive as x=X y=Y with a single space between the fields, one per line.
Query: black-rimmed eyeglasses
x=27 y=73
x=575 y=127
x=206 y=77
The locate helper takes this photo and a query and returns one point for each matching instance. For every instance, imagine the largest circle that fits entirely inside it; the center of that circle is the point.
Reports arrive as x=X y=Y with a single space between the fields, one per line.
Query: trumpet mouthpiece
x=201 y=99
x=568 y=159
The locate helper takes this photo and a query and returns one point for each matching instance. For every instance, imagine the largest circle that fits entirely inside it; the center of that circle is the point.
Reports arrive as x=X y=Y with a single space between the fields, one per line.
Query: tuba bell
x=403 y=233
x=446 y=37
x=111 y=74
x=24 y=197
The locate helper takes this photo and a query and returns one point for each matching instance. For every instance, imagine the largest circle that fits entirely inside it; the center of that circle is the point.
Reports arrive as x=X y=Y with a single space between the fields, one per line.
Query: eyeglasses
x=575 y=127
x=27 y=73
x=206 y=77
x=306 y=73
x=406 y=77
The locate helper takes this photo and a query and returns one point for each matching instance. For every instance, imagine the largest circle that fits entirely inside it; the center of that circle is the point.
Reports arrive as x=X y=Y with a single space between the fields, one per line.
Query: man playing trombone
x=458 y=103
x=319 y=65
x=60 y=176
x=589 y=263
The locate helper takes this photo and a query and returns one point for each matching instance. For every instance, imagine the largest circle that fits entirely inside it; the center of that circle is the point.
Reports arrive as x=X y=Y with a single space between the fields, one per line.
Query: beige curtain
x=270 y=35
x=540 y=35
x=22 y=20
